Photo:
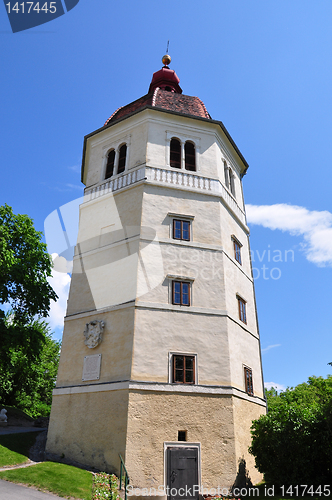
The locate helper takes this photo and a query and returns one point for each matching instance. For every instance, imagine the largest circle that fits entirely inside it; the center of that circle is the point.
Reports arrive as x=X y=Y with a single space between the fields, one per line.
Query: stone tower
x=160 y=359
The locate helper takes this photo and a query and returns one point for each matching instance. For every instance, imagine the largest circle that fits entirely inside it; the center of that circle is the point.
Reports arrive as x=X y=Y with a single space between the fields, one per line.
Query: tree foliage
x=25 y=266
x=27 y=384
x=292 y=444
x=28 y=355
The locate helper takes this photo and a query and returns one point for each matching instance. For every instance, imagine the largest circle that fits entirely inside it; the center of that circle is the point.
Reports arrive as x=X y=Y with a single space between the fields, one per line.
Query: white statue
x=3 y=415
x=93 y=333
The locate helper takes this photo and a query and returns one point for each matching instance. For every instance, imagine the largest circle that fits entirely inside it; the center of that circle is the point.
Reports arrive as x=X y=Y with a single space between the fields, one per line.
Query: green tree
x=27 y=384
x=292 y=444
x=26 y=377
x=25 y=266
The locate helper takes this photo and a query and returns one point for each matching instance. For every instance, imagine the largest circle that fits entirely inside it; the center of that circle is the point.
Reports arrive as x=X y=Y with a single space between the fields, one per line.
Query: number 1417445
x=306 y=490
x=31 y=7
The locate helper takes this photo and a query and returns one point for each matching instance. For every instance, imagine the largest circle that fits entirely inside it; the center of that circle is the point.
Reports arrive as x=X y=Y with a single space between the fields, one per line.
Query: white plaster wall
x=229 y=226
x=163 y=126
x=132 y=131
x=237 y=283
x=244 y=351
x=160 y=332
x=159 y=201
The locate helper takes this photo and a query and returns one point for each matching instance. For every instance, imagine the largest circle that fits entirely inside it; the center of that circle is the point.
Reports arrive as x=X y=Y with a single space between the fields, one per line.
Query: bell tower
x=160 y=359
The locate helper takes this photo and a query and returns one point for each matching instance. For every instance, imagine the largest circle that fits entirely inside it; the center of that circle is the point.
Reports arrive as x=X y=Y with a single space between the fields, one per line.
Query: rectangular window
x=182 y=435
x=237 y=250
x=181 y=230
x=248 y=381
x=242 y=310
x=181 y=293
x=183 y=369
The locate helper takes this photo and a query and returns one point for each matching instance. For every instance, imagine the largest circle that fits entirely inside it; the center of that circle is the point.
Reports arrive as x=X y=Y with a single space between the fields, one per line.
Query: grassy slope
x=63 y=480
x=14 y=448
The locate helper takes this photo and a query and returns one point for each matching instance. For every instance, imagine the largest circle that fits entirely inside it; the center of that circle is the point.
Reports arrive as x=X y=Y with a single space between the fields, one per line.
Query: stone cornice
x=139 y=385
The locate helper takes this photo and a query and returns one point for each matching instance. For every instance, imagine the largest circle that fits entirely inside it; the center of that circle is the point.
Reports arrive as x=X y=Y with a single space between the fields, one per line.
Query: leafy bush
x=292 y=444
x=28 y=355
x=28 y=384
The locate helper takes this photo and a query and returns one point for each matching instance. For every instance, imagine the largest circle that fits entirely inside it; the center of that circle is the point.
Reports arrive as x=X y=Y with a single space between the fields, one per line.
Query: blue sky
x=263 y=68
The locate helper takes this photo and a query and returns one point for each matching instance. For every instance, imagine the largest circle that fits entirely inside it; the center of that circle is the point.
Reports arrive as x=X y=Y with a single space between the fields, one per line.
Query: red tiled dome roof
x=163 y=99
x=164 y=93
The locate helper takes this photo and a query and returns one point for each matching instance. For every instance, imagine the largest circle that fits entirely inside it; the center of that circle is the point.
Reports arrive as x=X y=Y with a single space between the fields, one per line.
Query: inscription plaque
x=91 y=367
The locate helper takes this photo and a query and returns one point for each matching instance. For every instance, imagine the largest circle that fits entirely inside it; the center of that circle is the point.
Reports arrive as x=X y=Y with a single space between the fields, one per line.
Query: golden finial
x=166 y=59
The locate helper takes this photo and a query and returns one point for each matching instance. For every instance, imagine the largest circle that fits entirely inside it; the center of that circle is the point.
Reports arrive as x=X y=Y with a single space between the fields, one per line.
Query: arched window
x=189 y=156
x=226 y=172
x=232 y=183
x=110 y=164
x=229 y=178
x=122 y=158
x=175 y=153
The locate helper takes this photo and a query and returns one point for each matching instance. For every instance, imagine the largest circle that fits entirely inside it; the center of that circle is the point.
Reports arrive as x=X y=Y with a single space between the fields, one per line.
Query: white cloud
x=270 y=347
x=315 y=227
x=75 y=186
x=278 y=387
x=75 y=168
x=60 y=283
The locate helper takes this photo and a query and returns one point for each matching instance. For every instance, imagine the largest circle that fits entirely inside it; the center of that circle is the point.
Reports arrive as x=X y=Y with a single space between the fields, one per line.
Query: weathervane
x=166 y=58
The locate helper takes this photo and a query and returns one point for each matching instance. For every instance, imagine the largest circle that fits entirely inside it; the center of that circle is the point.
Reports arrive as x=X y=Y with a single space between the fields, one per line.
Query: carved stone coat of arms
x=93 y=333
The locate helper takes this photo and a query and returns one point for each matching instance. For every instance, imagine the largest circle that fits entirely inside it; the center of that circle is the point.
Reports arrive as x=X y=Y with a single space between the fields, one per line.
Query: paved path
x=13 y=429
x=11 y=491
x=19 y=466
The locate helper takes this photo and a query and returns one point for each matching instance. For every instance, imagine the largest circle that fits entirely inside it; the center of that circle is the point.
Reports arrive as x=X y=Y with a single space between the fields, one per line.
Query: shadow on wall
x=242 y=478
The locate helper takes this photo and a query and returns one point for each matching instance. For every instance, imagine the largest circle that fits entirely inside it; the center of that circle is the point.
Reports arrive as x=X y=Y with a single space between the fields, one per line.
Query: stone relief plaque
x=91 y=367
x=93 y=333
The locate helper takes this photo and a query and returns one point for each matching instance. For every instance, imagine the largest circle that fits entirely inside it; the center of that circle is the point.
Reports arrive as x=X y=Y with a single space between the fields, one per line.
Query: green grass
x=14 y=448
x=60 y=479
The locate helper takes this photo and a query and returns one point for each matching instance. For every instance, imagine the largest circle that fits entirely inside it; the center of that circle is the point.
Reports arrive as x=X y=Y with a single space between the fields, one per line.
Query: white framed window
x=182 y=368
x=248 y=382
x=237 y=249
x=180 y=290
x=242 y=307
x=181 y=227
